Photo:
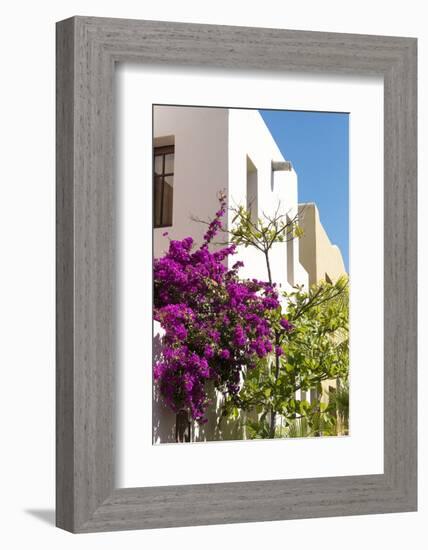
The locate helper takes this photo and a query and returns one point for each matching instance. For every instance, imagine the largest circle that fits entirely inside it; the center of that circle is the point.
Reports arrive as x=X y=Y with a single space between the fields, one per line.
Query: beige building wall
x=321 y=259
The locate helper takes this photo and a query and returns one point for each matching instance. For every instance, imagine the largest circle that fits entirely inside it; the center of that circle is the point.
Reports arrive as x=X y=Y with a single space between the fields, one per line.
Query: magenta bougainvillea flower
x=215 y=323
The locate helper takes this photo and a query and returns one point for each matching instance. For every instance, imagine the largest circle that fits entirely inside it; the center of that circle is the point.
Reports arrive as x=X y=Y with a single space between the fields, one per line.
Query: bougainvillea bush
x=216 y=325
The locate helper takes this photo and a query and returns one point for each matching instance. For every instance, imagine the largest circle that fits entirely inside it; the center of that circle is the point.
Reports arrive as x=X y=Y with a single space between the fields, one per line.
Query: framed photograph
x=236 y=274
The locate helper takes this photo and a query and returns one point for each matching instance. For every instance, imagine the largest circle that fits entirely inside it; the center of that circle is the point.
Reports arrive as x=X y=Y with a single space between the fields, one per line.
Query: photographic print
x=249 y=333
x=250 y=274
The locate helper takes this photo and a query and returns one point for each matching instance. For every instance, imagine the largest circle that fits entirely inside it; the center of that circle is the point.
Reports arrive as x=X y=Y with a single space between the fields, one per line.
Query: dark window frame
x=162 y=151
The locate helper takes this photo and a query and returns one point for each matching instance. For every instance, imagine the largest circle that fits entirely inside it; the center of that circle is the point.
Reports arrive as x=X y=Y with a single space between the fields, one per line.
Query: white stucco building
x=199 y=152
x=208 y=150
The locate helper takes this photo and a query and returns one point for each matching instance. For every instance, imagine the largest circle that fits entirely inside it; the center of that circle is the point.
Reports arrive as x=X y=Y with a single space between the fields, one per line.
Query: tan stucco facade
x=321 y=259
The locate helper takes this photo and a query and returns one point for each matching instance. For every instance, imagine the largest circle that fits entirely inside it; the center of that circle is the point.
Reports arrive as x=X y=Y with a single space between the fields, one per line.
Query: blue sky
x=317 y=144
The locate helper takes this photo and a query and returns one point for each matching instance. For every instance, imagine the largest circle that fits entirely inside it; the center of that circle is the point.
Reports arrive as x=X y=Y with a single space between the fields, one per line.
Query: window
x=290 y=252
x=252 y=198
x=163 y=185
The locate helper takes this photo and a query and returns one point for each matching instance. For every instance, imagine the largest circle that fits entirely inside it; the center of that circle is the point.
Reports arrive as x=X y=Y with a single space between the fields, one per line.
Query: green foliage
x=318 y=347
x=315 y=350
x=265 y=232
x=315 y=425
x=338 y=407
x=258 y=429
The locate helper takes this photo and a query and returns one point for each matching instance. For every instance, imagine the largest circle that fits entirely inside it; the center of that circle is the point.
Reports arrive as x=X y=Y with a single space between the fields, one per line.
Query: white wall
x=211 y=151
x=27 y=274
x=249 y=136
x=200 y=167
x=200 y=173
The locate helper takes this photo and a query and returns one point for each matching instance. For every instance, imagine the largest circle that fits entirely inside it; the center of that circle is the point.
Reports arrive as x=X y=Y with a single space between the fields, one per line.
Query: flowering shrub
x=215 y=323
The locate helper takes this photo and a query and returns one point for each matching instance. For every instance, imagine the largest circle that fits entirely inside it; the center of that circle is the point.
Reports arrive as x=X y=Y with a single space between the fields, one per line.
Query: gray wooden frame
x=87 y=50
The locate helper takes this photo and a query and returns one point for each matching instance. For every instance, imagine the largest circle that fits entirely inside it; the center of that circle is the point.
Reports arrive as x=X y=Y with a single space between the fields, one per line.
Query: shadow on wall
x=216 y=429
x=163 y=419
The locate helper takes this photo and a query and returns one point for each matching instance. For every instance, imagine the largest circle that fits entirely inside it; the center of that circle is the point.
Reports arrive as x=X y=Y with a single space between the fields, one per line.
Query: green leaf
x=289 y=367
